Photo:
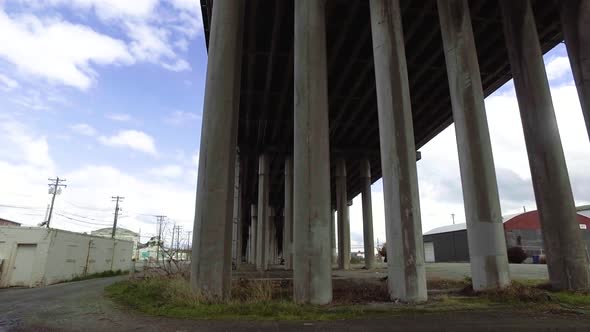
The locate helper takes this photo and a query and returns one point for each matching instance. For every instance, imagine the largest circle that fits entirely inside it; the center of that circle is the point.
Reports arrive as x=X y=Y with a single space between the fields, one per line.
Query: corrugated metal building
x=449 y=243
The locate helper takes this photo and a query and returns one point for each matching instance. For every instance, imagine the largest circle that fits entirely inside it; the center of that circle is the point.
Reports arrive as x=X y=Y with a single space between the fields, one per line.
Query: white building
x=33 y=256
x=120 y=234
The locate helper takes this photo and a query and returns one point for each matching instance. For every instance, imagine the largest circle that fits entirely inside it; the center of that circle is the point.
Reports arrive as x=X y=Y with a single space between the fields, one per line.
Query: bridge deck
x=266 y=103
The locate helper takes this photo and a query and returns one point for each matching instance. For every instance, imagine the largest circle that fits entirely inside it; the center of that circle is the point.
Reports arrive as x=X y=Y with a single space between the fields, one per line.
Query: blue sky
x=108 y=94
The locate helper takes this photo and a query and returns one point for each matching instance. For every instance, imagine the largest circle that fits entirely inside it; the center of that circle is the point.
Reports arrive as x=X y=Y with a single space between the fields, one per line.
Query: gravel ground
x=81 y=306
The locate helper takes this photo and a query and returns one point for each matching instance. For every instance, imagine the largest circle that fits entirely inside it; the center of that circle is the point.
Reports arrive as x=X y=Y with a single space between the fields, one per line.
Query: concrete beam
x=212 y=232
x=567 y=260
x=262 y=231
x=288 y=215
x=575 y=24
x=485 y=230
x=369 y=242
x=407 y=277
x=312 y=273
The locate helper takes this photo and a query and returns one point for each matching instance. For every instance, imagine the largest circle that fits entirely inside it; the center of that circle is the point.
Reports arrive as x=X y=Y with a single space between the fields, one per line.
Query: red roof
x=530 y=220
x=5 y=222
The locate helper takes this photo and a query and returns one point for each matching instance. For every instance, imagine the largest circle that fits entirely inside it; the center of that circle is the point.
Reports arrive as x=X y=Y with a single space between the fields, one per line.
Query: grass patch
x=272 y=300
x=104 y=274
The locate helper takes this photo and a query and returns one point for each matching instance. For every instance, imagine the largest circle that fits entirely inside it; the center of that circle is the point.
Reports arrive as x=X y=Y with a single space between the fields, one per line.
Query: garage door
x=23 y=265
x=429 y=252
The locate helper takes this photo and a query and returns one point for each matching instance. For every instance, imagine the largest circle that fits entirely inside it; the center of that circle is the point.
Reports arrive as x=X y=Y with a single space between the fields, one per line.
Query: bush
x=516 y=255
x=383 y=252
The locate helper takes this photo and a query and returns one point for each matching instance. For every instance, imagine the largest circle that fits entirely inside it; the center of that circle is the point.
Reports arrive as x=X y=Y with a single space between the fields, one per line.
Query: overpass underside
x=309 y=102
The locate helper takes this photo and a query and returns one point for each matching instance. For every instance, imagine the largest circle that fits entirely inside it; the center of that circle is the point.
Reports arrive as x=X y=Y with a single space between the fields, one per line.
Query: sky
x=108 y=94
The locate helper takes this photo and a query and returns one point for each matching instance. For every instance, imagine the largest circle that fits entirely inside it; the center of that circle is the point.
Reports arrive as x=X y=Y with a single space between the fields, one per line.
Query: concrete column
x=288 y=215
x=485 y=230
x=407 y=278
x=312 y=273
x=262 y=229
x=237 y=216
x=333 y=236
x=272 y=238
x=566 y=254
x=575 y=24
x=367 y=214
x=212 y=232
x=343 y=218
x=253 y=232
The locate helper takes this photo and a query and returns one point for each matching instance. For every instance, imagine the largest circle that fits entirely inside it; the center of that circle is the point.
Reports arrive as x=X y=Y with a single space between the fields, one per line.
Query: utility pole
x=178 y=238
x=160 y=221
x=138 y=243
x=54 y=188
x=117 y=209
x=172 y=241
x=188 y=245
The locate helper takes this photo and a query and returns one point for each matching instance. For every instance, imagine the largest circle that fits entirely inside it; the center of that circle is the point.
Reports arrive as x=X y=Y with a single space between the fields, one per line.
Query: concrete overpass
x=309 y=102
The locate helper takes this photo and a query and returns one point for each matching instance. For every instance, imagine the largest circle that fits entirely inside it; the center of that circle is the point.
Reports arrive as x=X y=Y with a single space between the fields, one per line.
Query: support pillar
x=333 y=236
x=312 y=273
x=407 y=277
x=272 y=238
x=253 y=232
x=343 y=218
x=212 y=231
x=485 y=230
x=237 y=216
x=368 y=240
x=575 y=24
x=262 y=229
x=566 y=254
x=288 y=215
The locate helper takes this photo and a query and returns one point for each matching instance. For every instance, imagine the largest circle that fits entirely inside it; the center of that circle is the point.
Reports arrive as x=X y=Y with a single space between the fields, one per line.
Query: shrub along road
x=81 y=305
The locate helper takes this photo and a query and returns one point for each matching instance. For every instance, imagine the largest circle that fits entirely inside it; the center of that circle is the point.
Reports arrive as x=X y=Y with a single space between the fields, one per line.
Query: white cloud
x=58 y=50
x=7 y=83
x=558 y=67
x=83 y=129
x=119 y=117
x=133 y=139
x=25 y=165
x=167 y=171
x=154 y=31
x=22 y=147
x=192 y=6
x=114 y=9
x=149 y=43
x=181 y=118
x=179 y=65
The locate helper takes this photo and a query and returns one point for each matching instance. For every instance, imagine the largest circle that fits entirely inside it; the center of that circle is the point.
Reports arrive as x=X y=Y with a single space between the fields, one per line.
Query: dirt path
x=80 y=306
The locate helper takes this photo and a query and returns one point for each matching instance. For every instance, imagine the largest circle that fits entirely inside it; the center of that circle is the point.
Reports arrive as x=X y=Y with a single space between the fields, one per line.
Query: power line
x=80 y=216
x=80 y=206
x=78 y=220
x=20 y=207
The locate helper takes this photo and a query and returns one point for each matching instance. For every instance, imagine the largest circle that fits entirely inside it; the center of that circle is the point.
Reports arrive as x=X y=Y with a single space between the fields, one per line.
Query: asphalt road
x=80 y=306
